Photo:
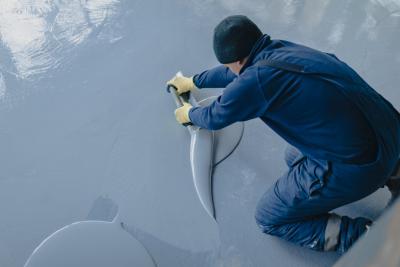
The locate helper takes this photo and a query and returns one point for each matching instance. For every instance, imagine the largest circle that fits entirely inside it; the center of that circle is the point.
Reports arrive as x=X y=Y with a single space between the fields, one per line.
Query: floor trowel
x=207 y=148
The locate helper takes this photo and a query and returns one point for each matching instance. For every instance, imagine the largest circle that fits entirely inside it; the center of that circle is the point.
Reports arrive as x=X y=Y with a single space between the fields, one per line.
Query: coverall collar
x=264 y=41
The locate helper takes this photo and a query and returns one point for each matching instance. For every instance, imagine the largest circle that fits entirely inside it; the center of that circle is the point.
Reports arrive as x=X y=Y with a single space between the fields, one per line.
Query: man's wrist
x=195 y=81
x=189 y=112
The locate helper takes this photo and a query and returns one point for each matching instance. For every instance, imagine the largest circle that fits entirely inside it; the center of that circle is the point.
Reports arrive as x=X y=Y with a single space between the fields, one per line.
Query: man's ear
x=243 y=61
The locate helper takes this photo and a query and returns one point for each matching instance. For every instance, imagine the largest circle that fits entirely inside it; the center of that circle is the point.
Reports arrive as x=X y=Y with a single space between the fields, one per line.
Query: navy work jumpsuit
x=344 y=137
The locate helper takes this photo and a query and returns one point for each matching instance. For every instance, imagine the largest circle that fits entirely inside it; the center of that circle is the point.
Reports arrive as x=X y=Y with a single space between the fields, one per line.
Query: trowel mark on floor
x=22 y=28
x=100 y=10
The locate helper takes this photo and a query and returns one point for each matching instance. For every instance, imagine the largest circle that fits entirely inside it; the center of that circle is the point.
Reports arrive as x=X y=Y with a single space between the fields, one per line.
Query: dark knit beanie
x=234 y=37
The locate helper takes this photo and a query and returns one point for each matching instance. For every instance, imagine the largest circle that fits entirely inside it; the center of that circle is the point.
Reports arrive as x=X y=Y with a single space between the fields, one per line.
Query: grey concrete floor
x=84 y=117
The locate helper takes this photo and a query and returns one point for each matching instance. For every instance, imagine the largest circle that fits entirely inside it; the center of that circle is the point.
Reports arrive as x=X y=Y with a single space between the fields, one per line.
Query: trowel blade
x=201 y=160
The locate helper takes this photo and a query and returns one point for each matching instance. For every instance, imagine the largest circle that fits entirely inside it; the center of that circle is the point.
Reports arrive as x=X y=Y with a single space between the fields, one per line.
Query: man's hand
x=182 y=113
x=181 y=83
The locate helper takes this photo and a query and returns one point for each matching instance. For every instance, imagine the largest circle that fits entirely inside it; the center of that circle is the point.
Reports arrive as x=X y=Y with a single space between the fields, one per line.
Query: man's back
x=309 y=109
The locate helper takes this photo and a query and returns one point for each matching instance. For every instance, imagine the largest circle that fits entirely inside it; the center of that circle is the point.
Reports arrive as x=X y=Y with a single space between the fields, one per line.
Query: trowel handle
x=178 y=100
x=175 y=96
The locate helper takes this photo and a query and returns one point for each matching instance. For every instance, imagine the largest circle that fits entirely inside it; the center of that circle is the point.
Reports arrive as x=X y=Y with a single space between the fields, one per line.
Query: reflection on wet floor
x=40 y=34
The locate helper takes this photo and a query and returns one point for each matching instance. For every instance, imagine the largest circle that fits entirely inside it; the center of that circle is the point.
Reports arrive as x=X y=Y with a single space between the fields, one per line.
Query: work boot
x=393 y=184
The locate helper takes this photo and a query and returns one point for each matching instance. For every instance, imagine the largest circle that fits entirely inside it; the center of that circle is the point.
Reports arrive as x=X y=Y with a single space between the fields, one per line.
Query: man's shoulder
x=245 y=83
x=287 y=51
x=248 y=76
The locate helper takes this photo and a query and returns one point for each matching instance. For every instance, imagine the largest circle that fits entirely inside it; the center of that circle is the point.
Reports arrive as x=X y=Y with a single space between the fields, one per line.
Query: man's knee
x=271 y=211
x=263 y=216
x=292 y=155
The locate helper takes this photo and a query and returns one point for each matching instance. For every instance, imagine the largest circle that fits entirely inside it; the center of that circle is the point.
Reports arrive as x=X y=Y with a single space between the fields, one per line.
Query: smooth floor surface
x=85 y=121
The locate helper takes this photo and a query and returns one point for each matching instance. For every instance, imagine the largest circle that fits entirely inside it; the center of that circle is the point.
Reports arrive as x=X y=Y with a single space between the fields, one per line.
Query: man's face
x=236 y=66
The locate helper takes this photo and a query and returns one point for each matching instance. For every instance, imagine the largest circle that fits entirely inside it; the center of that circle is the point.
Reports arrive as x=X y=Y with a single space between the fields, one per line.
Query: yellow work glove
x=182 y=113
x=181 y=83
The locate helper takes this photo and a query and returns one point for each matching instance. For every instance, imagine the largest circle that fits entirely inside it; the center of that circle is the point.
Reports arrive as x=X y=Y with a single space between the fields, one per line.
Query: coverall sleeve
x=241 y=100
x=218 y=77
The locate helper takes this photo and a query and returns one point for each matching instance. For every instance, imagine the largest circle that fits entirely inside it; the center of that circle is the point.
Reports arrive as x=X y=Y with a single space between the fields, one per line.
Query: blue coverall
x=344 y=137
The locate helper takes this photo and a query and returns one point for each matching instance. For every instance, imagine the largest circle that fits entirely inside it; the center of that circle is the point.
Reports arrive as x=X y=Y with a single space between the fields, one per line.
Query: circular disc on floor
x=90 y=243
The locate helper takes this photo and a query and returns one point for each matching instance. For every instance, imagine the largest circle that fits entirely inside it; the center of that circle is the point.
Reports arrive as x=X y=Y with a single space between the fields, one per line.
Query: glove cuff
x=194 y=86
x=187 y=111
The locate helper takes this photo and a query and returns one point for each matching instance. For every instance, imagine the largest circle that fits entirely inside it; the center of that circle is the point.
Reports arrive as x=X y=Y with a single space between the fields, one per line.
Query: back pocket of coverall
x=311 y=177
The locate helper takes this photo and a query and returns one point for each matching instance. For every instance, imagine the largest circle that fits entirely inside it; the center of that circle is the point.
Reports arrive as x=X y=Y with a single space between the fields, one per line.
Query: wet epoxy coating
x=85 y=117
